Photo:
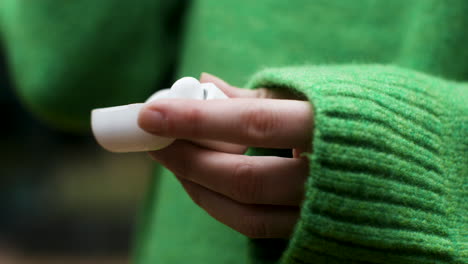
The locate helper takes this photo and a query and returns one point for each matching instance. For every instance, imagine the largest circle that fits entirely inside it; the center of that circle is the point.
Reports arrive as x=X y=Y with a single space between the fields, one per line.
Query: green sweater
x=387 y=80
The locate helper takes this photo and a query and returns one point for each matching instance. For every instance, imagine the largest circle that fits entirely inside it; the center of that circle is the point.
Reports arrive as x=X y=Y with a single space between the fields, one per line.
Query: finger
x=235 y=92
x=245 y=179
x=253 y=122
x=229 y=90
x=254 y=221
x=221 y=146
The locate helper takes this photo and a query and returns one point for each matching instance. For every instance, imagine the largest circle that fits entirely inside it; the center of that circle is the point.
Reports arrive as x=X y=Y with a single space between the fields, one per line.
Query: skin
x=259 y=197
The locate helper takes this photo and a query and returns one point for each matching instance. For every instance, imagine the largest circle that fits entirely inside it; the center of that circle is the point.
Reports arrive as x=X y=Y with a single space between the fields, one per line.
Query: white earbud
x=116 y=128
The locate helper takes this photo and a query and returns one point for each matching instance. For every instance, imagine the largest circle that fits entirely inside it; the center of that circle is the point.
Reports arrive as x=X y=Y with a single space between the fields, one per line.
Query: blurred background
x=62 y=198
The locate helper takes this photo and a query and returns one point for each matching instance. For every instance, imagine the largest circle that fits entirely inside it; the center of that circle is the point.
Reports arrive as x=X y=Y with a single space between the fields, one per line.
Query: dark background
x=62 y=198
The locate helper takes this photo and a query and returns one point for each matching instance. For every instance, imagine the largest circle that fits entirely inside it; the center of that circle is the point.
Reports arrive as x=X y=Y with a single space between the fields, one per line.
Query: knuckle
x=259 y=123
x=253 y=226
x=247 y=186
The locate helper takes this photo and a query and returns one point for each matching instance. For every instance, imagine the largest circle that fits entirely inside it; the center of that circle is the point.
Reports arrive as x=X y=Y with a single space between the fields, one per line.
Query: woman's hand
x=257 y=196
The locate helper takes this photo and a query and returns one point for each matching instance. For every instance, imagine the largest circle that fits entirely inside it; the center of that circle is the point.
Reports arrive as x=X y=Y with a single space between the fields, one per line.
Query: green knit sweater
x=387 y=80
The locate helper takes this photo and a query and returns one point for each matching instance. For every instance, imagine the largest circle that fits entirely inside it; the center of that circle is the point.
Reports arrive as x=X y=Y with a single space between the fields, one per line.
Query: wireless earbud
x=116 y=128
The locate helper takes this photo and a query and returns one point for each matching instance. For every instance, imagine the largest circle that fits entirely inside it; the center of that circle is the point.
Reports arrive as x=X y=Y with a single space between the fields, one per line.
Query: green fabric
x=387 y=81
x=388 y=165
x=70 y=57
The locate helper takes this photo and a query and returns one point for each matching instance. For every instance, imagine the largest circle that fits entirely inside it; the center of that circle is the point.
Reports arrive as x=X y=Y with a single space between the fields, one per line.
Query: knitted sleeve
x=389 y=166
x=68 y=57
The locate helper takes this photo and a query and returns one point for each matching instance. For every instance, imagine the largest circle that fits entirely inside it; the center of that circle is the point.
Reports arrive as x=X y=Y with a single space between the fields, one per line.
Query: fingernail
x=152 y=121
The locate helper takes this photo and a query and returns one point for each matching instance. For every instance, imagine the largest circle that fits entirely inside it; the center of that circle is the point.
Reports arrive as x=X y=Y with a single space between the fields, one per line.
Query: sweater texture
x=387 y=81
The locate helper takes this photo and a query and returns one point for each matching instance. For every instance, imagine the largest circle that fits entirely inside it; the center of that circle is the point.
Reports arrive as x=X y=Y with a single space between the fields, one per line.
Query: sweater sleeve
x=68 y=57
x=388 y=169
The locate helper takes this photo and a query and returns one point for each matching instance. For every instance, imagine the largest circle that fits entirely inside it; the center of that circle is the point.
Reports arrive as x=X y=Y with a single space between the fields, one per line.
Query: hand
x=257 y=196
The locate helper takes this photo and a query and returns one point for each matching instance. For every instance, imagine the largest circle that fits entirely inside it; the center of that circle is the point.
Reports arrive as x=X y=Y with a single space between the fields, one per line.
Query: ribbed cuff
x=376 y=190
